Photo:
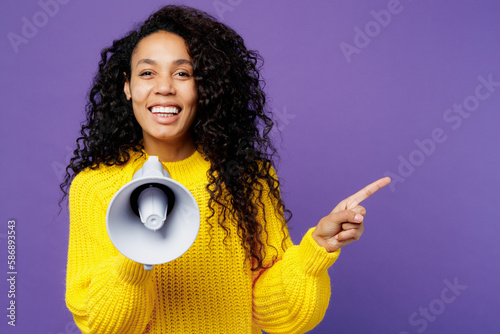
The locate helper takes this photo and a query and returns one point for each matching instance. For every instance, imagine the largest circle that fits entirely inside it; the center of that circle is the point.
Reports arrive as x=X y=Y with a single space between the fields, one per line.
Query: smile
x=165 y=111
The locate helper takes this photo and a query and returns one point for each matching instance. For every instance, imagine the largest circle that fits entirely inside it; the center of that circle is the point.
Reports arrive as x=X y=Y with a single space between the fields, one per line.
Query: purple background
x=346 y=121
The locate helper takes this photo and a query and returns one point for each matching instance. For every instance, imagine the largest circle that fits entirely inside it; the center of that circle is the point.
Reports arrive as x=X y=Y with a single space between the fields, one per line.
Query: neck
x=170 y=151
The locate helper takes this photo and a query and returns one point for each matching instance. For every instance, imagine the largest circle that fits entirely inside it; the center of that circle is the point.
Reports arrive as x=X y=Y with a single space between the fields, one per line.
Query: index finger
x=353 y=200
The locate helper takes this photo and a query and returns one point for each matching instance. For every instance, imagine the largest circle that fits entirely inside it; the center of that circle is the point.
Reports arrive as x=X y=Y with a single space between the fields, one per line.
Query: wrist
x=314 y=257
x=323 y=242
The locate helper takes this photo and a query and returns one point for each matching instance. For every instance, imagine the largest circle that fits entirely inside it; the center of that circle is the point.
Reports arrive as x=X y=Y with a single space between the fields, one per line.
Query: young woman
x=183 y=87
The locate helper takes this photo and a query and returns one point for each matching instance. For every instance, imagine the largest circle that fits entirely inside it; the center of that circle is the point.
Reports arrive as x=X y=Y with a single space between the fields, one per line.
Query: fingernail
x=358 y=217
x=337 y=237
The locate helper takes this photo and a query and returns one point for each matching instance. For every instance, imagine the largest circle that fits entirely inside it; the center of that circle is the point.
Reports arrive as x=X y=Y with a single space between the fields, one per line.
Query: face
x=162 y=89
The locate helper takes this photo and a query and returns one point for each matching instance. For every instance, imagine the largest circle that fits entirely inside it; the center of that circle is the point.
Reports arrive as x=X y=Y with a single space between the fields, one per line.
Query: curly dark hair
x=232 y=126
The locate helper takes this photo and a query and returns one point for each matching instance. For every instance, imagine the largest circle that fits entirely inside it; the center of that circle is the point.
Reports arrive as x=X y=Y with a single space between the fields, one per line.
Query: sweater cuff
x=130 y=271
x=315 y=258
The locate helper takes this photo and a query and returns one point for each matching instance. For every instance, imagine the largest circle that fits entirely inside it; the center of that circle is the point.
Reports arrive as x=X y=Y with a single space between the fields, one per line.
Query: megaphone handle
x=148 y=267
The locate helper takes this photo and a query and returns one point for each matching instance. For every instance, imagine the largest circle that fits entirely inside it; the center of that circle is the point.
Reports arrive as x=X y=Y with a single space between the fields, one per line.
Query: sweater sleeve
x=293 y=294
x=106 y=292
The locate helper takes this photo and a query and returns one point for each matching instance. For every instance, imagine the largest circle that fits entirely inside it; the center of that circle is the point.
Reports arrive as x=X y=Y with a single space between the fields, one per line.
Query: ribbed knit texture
x=210 y=289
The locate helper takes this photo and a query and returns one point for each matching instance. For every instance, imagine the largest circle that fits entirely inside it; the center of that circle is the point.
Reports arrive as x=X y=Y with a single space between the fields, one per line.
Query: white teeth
x=165 y=111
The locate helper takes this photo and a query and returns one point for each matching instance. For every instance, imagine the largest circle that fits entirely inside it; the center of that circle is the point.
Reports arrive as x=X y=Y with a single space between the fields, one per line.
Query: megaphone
x=152 y=219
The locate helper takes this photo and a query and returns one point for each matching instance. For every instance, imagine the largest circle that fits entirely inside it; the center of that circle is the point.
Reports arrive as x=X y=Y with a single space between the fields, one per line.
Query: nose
x=164 y=85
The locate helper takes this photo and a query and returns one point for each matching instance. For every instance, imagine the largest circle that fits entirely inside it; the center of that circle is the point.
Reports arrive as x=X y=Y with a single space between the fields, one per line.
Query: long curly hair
x=232 y=126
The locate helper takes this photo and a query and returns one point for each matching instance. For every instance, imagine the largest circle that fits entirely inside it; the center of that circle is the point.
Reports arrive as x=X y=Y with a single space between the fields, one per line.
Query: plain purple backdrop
x=360 y=89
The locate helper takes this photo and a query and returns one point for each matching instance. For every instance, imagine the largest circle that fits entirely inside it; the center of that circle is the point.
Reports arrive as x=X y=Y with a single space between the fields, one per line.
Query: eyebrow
x=175 y=62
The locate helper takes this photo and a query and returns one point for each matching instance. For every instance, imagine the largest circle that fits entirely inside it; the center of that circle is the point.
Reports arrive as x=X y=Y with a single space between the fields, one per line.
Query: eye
x=183 y=74
x=146 y=74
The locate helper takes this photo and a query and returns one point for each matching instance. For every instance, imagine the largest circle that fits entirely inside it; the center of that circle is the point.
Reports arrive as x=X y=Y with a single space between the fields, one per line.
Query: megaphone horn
x=152 y=219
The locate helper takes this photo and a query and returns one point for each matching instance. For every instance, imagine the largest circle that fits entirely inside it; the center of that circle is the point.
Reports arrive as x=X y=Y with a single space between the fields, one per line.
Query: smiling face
x=163 y=92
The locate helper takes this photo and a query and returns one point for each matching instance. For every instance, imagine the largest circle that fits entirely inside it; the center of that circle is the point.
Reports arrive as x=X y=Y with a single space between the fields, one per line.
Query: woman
x=183 y=87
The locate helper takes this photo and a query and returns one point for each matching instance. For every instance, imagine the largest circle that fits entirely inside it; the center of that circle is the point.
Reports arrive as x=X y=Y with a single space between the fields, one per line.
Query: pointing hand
x=345 y=223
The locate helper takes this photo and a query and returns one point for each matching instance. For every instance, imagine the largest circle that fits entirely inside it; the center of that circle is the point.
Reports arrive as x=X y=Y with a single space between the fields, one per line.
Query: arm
x=293 y=295
x=106 y=292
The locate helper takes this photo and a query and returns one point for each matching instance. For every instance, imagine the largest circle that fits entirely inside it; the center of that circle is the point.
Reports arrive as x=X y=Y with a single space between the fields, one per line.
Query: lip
x=165 y=120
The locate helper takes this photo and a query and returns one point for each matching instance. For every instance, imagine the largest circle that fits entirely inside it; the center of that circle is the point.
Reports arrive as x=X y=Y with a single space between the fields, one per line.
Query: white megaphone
x=153 y=219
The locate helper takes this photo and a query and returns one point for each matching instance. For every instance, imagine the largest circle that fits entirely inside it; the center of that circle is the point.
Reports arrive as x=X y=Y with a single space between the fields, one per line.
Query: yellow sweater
x=210 y=289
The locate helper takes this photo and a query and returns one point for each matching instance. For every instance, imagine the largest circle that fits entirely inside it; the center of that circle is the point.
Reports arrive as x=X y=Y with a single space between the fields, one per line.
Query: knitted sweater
x=209 y=289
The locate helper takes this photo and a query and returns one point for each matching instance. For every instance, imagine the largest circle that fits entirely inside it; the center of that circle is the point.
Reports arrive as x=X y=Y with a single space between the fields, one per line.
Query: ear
x=126 y=87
